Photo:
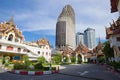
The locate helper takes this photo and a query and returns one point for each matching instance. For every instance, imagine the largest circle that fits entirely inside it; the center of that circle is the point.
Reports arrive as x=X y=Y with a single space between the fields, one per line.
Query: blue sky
x=37 y=18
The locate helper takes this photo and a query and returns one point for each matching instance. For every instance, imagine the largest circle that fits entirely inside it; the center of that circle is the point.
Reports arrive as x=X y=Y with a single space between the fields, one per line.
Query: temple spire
x=11 y=21
x=99 y=39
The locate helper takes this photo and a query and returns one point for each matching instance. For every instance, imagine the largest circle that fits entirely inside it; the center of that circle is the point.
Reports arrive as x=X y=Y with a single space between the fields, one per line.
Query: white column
x=86 y=60
x=76 y=58
x=83 y=60
x=69 y=58
x=62 y=59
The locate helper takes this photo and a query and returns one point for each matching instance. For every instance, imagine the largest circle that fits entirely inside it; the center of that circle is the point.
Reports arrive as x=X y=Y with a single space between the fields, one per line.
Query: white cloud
x=43 y=15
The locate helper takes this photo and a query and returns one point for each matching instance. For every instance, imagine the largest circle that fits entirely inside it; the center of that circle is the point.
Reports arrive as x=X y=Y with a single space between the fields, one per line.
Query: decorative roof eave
x=113 y=29
x=81 y=48
x=67 y=51
x=2 y=30
x=43 y=41
x=17 y=32
x=112 y=32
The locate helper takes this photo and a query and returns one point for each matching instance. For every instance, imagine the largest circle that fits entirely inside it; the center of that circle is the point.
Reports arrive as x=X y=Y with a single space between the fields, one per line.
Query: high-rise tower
x=89 y=38
x=65 y=28
x=79 y=38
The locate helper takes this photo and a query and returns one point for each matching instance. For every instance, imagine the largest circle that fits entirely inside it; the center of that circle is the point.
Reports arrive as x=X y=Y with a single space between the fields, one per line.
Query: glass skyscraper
x=89 y=38
x=79 y=38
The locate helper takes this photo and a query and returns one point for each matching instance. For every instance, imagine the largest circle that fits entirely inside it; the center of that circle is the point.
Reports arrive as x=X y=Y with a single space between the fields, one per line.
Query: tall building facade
x=65 y=29
x=89 y=38
x=79 y=38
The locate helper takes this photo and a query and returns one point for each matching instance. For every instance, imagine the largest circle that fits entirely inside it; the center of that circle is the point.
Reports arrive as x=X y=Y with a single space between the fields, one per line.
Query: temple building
x=113 y=35
x=97 y=52
x=13 y=44
x=83 y=52
x=65 y=29
x=113 y=31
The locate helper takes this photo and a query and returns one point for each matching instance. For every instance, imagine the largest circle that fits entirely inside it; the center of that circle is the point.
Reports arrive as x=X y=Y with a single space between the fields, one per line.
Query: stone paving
x=68 y=73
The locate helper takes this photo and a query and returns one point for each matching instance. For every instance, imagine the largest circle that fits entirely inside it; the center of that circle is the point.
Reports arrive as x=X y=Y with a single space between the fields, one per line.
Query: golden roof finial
x=112 y=26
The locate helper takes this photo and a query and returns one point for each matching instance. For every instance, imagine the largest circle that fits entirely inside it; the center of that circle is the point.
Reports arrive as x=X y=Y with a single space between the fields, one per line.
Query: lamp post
x=50 y=68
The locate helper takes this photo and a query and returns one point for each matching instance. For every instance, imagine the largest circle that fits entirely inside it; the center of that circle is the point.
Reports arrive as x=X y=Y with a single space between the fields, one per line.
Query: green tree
x=73 y=59
x=101 y=58
x=66 y=59
x=41 y=59
x=26 y=60
x=79 y=60
x=108 y=51
x=7 y=60
x=57 y=58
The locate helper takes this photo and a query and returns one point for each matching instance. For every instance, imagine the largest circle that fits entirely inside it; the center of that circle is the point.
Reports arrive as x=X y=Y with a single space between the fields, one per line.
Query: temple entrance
x=79 y=59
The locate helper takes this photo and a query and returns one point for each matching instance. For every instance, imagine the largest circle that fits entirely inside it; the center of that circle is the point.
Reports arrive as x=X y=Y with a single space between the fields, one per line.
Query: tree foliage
x=101 y=58
x=66 y=59
x=25 y=58
x=57 y=58
x=41 y=59
x=108 y=51
x=73 y=59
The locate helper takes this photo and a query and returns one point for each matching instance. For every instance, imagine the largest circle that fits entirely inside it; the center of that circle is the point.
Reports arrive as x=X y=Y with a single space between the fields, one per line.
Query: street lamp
x=50 y=68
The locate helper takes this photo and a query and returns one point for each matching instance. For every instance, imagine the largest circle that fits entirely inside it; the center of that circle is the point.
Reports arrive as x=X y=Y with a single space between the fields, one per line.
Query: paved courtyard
x=68 y=72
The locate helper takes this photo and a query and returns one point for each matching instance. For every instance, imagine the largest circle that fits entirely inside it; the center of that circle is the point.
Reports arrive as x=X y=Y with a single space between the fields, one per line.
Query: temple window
x=42 y=53
x=46 y=53
x=46 y=47
x=10 y=38
x=38 y=52
x=40 y=46
x=0 y=46
x=19 y=49
x=24 y=50
x=28 y=51
x=9 y=48
x=16 y=40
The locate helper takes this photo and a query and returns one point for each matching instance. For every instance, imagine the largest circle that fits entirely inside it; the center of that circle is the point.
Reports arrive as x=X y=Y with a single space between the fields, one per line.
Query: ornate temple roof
x=6 y=27
x=82 y=48
x=43 y=41
x=98 y=47
x=113 y=29
x=67 y=50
